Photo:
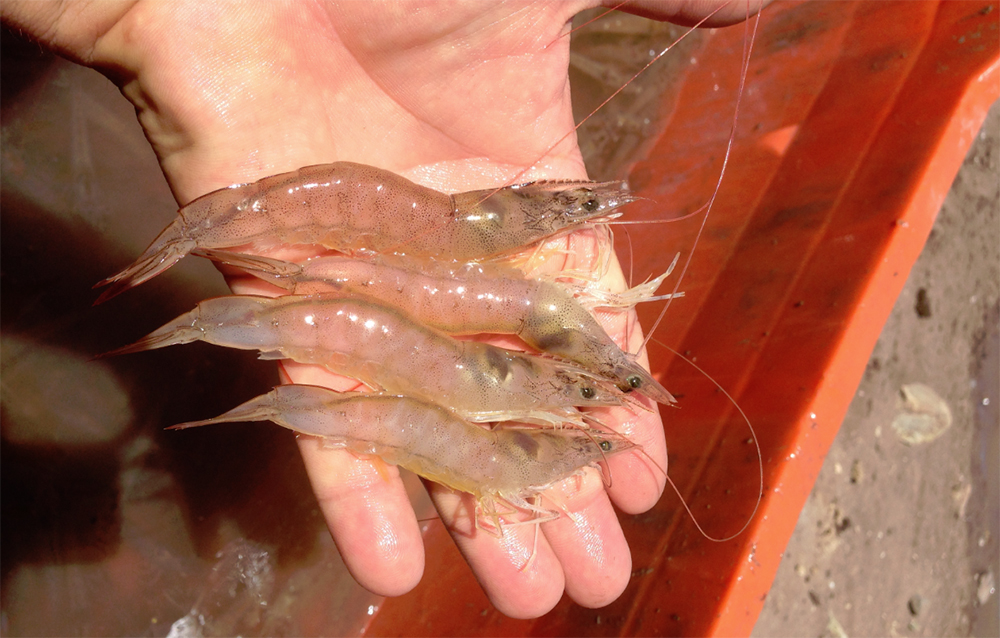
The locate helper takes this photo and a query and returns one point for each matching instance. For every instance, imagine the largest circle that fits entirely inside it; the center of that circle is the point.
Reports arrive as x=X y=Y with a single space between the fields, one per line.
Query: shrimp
x=471 y=298
x=355 y=208
x=386 y=349
x=511 y=465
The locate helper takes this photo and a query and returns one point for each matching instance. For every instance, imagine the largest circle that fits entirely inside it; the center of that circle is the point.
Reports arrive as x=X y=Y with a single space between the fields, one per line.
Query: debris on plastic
x=857 y=472
x=924 y=416
x=234 y=596
x=834 y=627
x=961 y=494
x=987 y=587
x=923 y=305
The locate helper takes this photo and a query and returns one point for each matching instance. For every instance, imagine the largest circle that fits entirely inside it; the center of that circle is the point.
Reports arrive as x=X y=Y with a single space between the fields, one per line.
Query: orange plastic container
x=854 y=122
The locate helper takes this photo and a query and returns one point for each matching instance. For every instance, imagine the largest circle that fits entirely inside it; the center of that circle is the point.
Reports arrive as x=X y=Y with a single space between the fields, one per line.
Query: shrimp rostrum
x=388 y=350
x=503 y=465
x=356 y=208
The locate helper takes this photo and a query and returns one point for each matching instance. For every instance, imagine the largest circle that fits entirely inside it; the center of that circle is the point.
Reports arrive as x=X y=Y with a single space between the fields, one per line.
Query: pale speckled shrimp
x=353 y=208
x=472 y=298
x=508 y=465
x=386 y=349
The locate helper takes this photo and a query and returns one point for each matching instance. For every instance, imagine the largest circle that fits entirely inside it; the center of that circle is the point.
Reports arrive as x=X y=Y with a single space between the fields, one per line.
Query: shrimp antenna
x=753 y=435
x=631 y=255
x=745 y=68
x=662 y=470
x=628 y=282
x=637 y=222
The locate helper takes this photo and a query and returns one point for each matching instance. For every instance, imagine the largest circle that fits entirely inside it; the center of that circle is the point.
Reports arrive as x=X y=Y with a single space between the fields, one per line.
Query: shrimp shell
x=353 y=208
x=471 y=298
x=387 y=349
x=508 y=464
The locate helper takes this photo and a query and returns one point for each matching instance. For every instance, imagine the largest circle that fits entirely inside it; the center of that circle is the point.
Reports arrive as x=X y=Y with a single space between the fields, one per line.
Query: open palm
x=458 y=97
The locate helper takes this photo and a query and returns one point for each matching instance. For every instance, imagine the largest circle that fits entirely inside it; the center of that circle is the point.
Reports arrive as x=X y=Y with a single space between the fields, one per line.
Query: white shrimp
x=353 y=208
x=472 y=298
x=510 y=465
x=386 y=349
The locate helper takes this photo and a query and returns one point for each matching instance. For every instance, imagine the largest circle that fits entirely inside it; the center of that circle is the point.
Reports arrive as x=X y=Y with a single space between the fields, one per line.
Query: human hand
x=456 y=97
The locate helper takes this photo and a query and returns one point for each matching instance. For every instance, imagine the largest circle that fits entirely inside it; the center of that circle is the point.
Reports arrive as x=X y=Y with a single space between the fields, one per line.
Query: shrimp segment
x=473 y=298
x=387 y=349
x=353 y=208
x=503 y=464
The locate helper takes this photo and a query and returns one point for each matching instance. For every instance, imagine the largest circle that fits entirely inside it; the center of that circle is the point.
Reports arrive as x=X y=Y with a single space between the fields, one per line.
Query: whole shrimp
x=386 y=349
x=474 y=298
x=502 y=465
x=355 y=208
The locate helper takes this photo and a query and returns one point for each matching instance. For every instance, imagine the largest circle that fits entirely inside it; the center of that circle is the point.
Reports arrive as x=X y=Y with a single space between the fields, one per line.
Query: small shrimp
x=509 y=465
x=471 y=298
x=386 y=349
x=354 y=208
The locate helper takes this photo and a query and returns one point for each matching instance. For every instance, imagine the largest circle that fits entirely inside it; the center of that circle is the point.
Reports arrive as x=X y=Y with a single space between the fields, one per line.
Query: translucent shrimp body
x=387 y=349
x=509 y=464
x=473 y=298
x=353 y=207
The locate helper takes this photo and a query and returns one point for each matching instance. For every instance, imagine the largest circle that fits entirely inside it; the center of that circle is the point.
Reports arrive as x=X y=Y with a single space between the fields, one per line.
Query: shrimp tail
x=183 y=329
x=166 y=250
x=274 y=271
x=262 y=408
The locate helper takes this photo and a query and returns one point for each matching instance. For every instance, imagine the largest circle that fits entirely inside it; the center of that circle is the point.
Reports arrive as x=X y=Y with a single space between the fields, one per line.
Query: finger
x=720 y=13
x=517 y=570
x=637 y=480
x=365 y=505
x=637 y=476
x=588 y=541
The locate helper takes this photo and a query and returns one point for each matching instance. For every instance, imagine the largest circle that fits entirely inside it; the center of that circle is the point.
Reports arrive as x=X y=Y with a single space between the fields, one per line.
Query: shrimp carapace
x=474 y=298
x=387 y=349
x=356 y=208
x=500 y=221
x=508 y=464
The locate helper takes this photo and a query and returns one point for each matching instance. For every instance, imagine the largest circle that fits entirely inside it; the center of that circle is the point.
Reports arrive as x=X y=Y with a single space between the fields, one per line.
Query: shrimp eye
x=634 y=382
x=590 y=205
x=606 y=446
x=587 y=393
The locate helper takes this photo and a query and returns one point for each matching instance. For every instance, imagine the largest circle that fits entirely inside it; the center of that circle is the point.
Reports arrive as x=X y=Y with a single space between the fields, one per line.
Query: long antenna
x=744 y=67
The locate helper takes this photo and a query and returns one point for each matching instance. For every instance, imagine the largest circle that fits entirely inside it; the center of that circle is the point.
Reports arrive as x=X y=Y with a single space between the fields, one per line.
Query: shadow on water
x=99 y=505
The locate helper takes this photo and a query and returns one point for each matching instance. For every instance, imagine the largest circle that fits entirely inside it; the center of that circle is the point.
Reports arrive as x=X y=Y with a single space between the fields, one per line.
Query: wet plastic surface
x=854 y=122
